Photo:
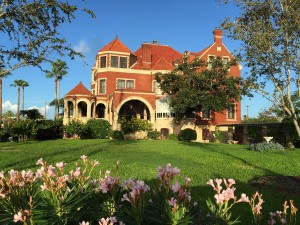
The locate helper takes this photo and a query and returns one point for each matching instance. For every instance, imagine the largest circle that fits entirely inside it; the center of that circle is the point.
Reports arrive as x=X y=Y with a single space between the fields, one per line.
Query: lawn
x=139 y=159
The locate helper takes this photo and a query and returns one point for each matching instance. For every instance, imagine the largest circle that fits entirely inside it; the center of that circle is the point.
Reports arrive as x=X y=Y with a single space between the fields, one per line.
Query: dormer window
x=102 y=61
x=123 y=62
x=118 y=62
x=114 y=61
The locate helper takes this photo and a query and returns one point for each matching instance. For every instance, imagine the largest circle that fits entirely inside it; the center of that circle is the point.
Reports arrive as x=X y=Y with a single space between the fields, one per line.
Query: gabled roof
x=117 y=46
x=80 y=89
x=163 y=64
x=159 y=53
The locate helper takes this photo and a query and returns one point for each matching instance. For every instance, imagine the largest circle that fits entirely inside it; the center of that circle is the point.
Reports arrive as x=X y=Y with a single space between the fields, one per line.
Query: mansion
x=123 y=85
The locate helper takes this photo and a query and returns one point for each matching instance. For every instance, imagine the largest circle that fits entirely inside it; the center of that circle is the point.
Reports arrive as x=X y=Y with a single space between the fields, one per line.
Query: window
x=114 y=61
x=231 y=112
x=118 y=62
x=164 y=115
x=205 y=114
x=125 y=84
x=211 y=58
x=123 y=62
x=225 y=61
x=102 y=86
x=103 y=62
x=129 y=84
x=156 y=88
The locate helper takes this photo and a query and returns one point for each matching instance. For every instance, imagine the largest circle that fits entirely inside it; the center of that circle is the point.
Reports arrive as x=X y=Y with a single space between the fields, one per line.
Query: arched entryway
x=70 y=109
x=82 y=109
x=134 y=108
x=100 y=110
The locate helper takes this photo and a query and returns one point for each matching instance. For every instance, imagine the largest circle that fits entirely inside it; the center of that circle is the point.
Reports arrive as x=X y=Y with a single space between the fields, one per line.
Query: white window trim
x=119 y=61
x=235 y=113
x=100 y=61
x=208 y=65
x=125 y=83
x=226 y=57
x=98 y=88
x=154 y=88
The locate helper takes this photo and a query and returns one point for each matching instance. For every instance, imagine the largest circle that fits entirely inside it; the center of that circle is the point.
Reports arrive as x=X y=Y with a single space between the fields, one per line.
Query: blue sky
x=184 y=25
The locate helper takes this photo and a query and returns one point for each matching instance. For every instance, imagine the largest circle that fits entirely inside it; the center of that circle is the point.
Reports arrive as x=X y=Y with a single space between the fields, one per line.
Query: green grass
x=139 y=159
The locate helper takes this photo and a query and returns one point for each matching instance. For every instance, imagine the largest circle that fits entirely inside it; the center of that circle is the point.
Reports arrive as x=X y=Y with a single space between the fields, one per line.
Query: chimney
x=217 y=36
x=154 y=42
x=146 y=56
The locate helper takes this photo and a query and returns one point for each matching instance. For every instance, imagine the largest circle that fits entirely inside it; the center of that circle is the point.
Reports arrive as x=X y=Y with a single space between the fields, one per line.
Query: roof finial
x=117 y=37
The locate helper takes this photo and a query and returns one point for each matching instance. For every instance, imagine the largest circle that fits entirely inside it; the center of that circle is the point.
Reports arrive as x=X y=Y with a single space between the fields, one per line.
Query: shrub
x=117 y=135
x=154 y=135
x=267 y=147
x=48 y=129
x=4 y=134
x=75 y=128
x=173 y=137
x=134 y=125
x=98 y=129
x=219 y=136
x=23 y=129
x=187 y=135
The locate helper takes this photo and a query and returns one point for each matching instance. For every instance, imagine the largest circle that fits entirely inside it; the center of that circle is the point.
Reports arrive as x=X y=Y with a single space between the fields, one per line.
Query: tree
x=3 y=73
x=7 y=117
x=60 y=103
x=30 y=31
x=18 y=83
x=270 y=34
x=31 y=114
x=194 y=87
x=23 y=85
x=59 y=69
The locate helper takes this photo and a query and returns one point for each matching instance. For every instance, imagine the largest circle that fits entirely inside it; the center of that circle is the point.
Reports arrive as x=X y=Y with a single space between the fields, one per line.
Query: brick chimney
x=146 y=56
x=218 y=36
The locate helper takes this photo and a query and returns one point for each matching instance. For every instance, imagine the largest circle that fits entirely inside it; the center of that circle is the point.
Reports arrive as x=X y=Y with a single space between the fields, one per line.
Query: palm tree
x=8 y=117
x=23 y=85
x=3 y=73
x=18 y=83
x=59 y=69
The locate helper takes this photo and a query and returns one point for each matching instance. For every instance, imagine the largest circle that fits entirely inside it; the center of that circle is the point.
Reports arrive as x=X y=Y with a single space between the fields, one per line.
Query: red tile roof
x=163 y=64
x=80 y=89
x=116 y=45
x=159 y=54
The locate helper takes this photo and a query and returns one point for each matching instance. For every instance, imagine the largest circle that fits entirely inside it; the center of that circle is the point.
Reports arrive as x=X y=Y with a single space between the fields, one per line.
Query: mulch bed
x=282 y=184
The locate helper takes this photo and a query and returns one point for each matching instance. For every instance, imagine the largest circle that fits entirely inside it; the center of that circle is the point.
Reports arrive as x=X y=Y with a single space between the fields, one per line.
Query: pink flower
x=175 y=187
x=40 y=162
x=18 y=217
x=219 y=198
x=51 y=171
x=84 y=158
x=228 y=194
x=84 y=223
x=187 y=181
x=172 y=202
x=44 y=187
x=60 y=165
x=244 y=198
x=2 y=174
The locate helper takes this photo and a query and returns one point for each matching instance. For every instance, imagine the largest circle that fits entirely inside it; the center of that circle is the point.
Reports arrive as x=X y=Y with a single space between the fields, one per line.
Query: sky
x=183 y=25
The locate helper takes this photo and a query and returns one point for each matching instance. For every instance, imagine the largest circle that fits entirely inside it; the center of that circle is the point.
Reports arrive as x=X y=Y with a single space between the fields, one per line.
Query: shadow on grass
x=71 y=154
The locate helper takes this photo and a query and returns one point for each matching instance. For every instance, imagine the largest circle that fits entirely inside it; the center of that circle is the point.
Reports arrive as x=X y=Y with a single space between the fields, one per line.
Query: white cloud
x=82 y=47
x=8 y=106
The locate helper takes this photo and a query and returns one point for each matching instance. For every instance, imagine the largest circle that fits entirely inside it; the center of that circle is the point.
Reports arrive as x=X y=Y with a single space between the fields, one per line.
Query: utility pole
x=247 y=111
x=45 y=111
